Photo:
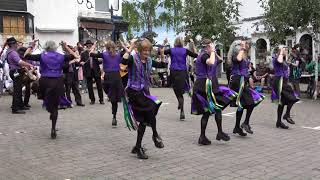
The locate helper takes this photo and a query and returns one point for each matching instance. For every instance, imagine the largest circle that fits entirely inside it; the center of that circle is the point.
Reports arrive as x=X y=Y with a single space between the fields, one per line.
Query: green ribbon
x=238 y=102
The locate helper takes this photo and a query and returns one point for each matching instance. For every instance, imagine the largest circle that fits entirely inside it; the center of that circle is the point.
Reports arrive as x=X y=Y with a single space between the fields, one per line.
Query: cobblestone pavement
x=88 y=147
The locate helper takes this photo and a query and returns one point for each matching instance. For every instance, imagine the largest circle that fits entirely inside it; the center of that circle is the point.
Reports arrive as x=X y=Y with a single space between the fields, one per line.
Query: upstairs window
x=102 y=5
x=14 y=25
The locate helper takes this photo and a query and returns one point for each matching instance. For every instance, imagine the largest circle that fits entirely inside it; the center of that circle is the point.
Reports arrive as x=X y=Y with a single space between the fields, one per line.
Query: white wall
x=84 y=11
x=55 y=15
x=62 y=15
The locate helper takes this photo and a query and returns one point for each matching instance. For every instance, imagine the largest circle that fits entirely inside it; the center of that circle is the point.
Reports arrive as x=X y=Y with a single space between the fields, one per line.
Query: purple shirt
x=280 y=69
x=240 y=68
x=111 y=63
x=13 y=59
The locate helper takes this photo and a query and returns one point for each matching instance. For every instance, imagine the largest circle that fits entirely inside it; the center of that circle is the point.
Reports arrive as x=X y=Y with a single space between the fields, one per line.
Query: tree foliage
x=284 y=17
x=210 y=18
x=144 y=15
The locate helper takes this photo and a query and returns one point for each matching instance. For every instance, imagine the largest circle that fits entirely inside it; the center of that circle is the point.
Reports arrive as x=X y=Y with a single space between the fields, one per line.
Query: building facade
x=72 y=20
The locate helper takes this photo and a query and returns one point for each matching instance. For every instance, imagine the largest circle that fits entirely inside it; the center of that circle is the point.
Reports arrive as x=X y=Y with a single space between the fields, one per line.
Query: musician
x=26 y=79
x=91 y=71
x=71 y=80
x=15 y=66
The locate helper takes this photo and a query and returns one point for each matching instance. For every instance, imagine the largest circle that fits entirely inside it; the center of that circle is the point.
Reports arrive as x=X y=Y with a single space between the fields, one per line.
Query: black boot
x=222 y=136
x=282 y=125
x=288 y=119
x=182 y=116
x=140 y=152
x=247 y=128
x=53 y=134
x=203 y=140
x=114 y=121
x=239 y=131
x=157 y=141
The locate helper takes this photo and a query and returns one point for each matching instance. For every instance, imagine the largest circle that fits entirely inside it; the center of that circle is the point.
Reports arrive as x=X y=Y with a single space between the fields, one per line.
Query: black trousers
x=27 y=94
x=90 y=88
x=71 y=83
x=17 y=102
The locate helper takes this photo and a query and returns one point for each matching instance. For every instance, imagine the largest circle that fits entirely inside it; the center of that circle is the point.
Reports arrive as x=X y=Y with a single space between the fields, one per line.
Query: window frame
x=28 y=19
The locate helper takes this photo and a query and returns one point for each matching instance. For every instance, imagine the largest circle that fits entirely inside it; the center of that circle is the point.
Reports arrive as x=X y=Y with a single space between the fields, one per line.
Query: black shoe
x=203 y=140
x=282 y=125
x=53 y=134
x=239 y=131
x=182 y=116
x=223 y=136
x=24 y=108
x=92 y=102
x=18 y=112
x=140 y=152
x=101 y=102
x=114 y=122
x=247 y=128
x=288 y=119
x=80 y=104
x=157 y=141
x=27 y=105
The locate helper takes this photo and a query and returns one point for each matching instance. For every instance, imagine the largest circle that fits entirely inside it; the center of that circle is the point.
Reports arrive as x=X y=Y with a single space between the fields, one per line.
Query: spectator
x=261 y=74
x=295 y=70
x=251 y=71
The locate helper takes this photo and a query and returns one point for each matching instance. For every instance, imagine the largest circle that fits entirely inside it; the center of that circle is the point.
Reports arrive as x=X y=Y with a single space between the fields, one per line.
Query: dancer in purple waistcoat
x=208 y=97
x=179 y=71
x=112 y=83
x=142 y=107
x=247 y=97
x=282 y=92
x=51 y=83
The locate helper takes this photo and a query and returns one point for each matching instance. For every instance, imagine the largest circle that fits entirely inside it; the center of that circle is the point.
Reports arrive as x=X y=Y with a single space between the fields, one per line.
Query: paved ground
x=88 y=147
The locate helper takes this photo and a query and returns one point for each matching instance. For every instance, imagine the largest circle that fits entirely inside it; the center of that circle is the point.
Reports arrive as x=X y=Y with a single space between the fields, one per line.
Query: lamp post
x=315 y=38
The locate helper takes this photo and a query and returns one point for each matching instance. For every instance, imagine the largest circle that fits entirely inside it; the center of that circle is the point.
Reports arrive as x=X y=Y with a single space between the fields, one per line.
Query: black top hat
x=11 y=40
x=88 y=42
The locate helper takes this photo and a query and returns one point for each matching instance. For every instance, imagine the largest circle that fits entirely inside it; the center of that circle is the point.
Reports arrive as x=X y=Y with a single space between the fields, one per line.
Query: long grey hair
x=50 y=46
x=233 y=50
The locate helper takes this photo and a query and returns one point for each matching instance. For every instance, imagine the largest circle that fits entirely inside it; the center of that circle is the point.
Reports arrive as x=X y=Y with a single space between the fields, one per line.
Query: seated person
x=261 y=74
x=251 y=71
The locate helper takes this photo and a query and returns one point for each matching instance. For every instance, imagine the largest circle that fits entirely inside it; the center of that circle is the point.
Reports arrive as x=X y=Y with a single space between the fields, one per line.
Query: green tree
x=284 y=17
x=148 y=14
x=211 y=18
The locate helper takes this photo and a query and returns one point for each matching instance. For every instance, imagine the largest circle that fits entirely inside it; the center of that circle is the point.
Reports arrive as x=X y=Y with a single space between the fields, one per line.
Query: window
x=14 y=25
x=102 y=5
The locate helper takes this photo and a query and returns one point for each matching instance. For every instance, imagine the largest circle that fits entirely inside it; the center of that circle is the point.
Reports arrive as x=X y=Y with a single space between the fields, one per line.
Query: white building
x=68 y=20
x=251 y=26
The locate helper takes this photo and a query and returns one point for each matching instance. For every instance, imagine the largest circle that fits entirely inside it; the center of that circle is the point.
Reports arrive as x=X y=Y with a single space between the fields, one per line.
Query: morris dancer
x=112 y=84
x=208 y=97
x=142 y=107
x=51 y=83
x=179 y=72
x=247 y=97
x=282 y=93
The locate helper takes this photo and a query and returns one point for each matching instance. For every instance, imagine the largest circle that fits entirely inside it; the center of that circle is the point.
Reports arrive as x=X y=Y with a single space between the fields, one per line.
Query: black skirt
x=51 y=89
x=144 y=107
x=248 y=97
x=113 y=86
x=180 y=81
x=288 y=96
x=199 y=102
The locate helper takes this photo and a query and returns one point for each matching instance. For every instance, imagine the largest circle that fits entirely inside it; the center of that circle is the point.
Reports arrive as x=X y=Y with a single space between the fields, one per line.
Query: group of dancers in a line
x=141 y=108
